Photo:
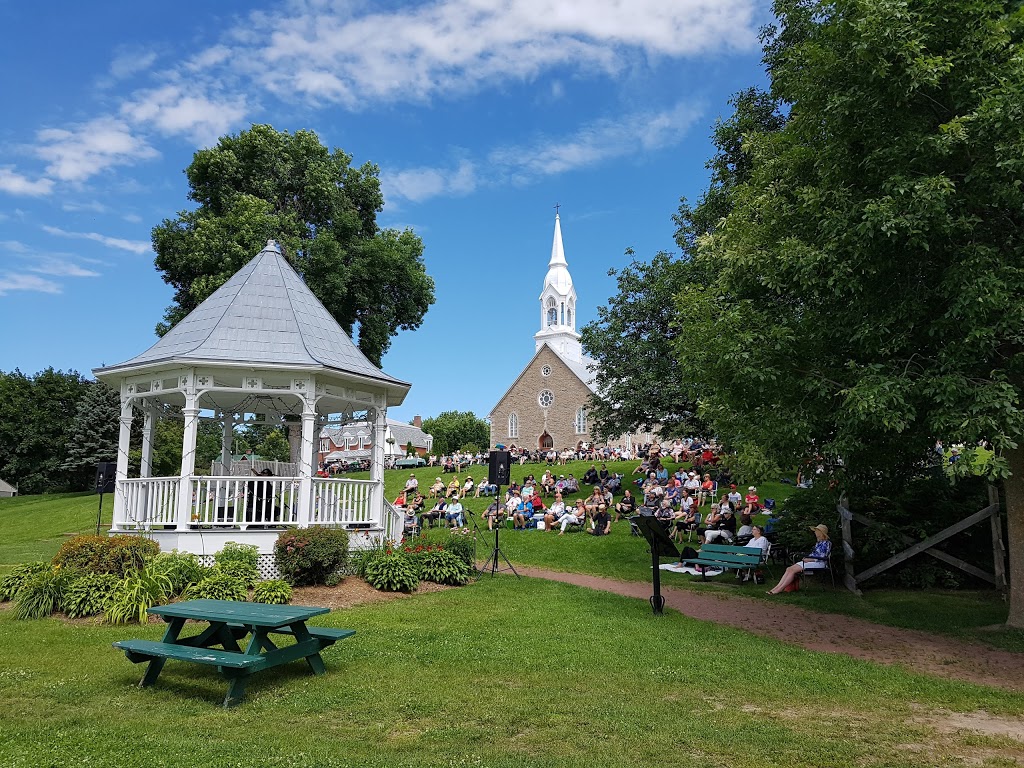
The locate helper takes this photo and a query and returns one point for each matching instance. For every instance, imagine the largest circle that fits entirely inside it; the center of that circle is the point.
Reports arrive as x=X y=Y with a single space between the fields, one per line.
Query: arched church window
x=563 y=313
x=568 y=315
x=580 y=422
x=552 y=312
x=513 y=425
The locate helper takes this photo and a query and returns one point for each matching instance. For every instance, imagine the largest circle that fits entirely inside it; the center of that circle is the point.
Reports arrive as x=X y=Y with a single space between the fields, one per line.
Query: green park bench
x=727 y=556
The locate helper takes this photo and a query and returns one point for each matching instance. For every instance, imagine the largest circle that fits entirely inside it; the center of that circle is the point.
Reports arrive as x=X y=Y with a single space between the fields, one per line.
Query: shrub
x=88 y=594
x=135 y=593
x=333 y=580
x=362 y=558
x=392 y=572
x=243 y=572
x=181 y=569
x=458 y=543
x=443 y=567
x=40 y=595
x=233 y=552
x=119 y=555
x=464 y=547
x=218 y=586
x=310 y=555
x=15 y=580
x=272 y=592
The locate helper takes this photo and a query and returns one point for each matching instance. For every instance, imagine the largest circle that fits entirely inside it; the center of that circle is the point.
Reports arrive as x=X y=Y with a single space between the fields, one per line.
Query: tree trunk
x=1014 y=491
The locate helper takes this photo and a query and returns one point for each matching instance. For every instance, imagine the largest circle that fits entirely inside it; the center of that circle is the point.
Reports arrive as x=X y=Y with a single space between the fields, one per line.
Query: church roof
x=402 y=432
x=580 y=369
x=263 y=314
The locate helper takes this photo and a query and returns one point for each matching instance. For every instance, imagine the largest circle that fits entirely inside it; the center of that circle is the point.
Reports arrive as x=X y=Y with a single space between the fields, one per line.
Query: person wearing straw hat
x=817 y=559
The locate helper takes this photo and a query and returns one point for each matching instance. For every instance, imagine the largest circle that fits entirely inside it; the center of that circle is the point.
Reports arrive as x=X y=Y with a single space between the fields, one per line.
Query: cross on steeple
x=557 y=206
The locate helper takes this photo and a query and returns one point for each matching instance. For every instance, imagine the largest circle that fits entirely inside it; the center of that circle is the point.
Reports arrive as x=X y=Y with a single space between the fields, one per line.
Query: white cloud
x=90 y=206
x=132 y=218
x=58 y=267
x=592 y=144
x=131 y=60
x=13 y=246
x=134 y=246
x=419 y=184
x=173 y=110
x=330 y=52
x=346 y=52
x=602 y=140
x=85 y=149
x=15 y=184
x=15 y=281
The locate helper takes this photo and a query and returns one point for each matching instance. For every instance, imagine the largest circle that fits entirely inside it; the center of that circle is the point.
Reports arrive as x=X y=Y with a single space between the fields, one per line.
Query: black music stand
x=661 y=546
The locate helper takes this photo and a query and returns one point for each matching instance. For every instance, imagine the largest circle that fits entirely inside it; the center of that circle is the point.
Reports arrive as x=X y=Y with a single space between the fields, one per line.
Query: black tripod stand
x=492 y=559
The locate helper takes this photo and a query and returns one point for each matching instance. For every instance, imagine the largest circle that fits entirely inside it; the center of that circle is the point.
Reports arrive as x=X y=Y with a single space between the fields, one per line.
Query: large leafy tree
x=641 y=384
x=868 y=275
x=36 y=418
x=262 y=184
x=455 y=430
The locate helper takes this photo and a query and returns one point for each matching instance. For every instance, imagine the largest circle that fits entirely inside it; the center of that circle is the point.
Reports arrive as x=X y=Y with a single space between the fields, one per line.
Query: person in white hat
x=816 y=560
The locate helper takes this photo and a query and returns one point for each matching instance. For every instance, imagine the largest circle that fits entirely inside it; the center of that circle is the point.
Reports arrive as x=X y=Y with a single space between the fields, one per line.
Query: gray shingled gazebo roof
x=263 y=315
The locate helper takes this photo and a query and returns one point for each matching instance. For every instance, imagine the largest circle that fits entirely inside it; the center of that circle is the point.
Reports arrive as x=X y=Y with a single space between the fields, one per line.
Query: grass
x=33 y=527
x=501 y=673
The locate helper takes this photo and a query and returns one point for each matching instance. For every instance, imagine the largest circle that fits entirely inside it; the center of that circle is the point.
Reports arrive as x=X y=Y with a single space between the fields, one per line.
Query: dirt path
x=917 y=651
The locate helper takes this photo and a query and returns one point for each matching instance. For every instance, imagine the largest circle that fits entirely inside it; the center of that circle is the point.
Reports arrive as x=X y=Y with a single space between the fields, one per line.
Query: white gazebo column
x=303 y=504
x=226 y=442
x=148 y=433
x=188 y=454
x=124 y=438
x=380 y=429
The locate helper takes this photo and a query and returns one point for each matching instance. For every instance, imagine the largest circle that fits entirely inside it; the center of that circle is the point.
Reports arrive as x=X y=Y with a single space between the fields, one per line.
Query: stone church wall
x=558 y=420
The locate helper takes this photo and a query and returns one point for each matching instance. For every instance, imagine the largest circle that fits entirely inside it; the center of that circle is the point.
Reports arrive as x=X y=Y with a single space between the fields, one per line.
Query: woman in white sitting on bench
x=818 y=559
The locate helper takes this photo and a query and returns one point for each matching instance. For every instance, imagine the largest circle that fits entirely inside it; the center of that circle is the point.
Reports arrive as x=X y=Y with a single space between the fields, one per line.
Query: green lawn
x=500 y=673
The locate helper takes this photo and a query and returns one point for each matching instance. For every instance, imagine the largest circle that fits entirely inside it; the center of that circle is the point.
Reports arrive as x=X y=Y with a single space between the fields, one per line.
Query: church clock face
x=546 y=398
x=545 y=371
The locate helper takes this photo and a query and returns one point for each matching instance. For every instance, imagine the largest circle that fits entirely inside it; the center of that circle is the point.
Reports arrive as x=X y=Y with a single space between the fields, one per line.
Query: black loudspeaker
x=106 y=473
x=498 y=469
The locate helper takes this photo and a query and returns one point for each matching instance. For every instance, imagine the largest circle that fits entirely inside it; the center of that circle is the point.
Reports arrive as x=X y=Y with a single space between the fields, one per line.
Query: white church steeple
x=558 y=305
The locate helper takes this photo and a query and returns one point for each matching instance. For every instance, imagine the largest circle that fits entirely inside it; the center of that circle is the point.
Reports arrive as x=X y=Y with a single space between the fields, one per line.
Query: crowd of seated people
x=677 y=498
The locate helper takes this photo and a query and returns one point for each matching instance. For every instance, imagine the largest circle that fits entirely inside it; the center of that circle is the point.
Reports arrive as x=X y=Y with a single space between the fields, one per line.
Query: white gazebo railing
x=343 y=502
x=244 y=503
x=148 y=502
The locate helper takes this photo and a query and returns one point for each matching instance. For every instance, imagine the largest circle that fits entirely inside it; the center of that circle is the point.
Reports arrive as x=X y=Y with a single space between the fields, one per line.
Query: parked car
x=411 y=462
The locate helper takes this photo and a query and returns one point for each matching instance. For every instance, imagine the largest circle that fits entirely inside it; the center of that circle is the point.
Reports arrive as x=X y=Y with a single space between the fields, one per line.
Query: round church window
x=546 y=398
x=545 y=371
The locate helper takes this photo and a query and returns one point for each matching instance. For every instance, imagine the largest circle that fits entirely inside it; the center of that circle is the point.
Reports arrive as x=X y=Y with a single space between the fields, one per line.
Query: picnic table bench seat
x=327 y=635
x=726 y=556
x=144 y=650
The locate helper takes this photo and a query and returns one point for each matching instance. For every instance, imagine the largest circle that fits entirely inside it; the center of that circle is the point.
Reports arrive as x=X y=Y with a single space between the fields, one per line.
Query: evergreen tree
x=94 y=433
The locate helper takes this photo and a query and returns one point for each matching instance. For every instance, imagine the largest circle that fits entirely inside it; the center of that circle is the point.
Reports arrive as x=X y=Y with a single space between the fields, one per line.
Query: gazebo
x=263 y=348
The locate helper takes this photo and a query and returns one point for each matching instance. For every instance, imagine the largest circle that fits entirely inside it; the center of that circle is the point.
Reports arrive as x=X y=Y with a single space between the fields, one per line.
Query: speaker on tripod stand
x=498 y=471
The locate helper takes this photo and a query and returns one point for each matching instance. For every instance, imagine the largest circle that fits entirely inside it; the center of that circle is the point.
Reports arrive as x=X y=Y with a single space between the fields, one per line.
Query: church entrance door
x=546 y=443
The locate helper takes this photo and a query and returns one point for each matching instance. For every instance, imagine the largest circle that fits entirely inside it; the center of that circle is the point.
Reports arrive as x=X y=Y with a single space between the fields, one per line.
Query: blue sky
x=482 y=114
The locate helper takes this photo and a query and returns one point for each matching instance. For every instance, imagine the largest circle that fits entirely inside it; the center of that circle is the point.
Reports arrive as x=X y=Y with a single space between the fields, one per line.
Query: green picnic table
x=229 y=625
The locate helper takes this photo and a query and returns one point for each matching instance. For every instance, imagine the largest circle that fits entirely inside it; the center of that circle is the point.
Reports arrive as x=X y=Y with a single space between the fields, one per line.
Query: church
x=546 y=406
